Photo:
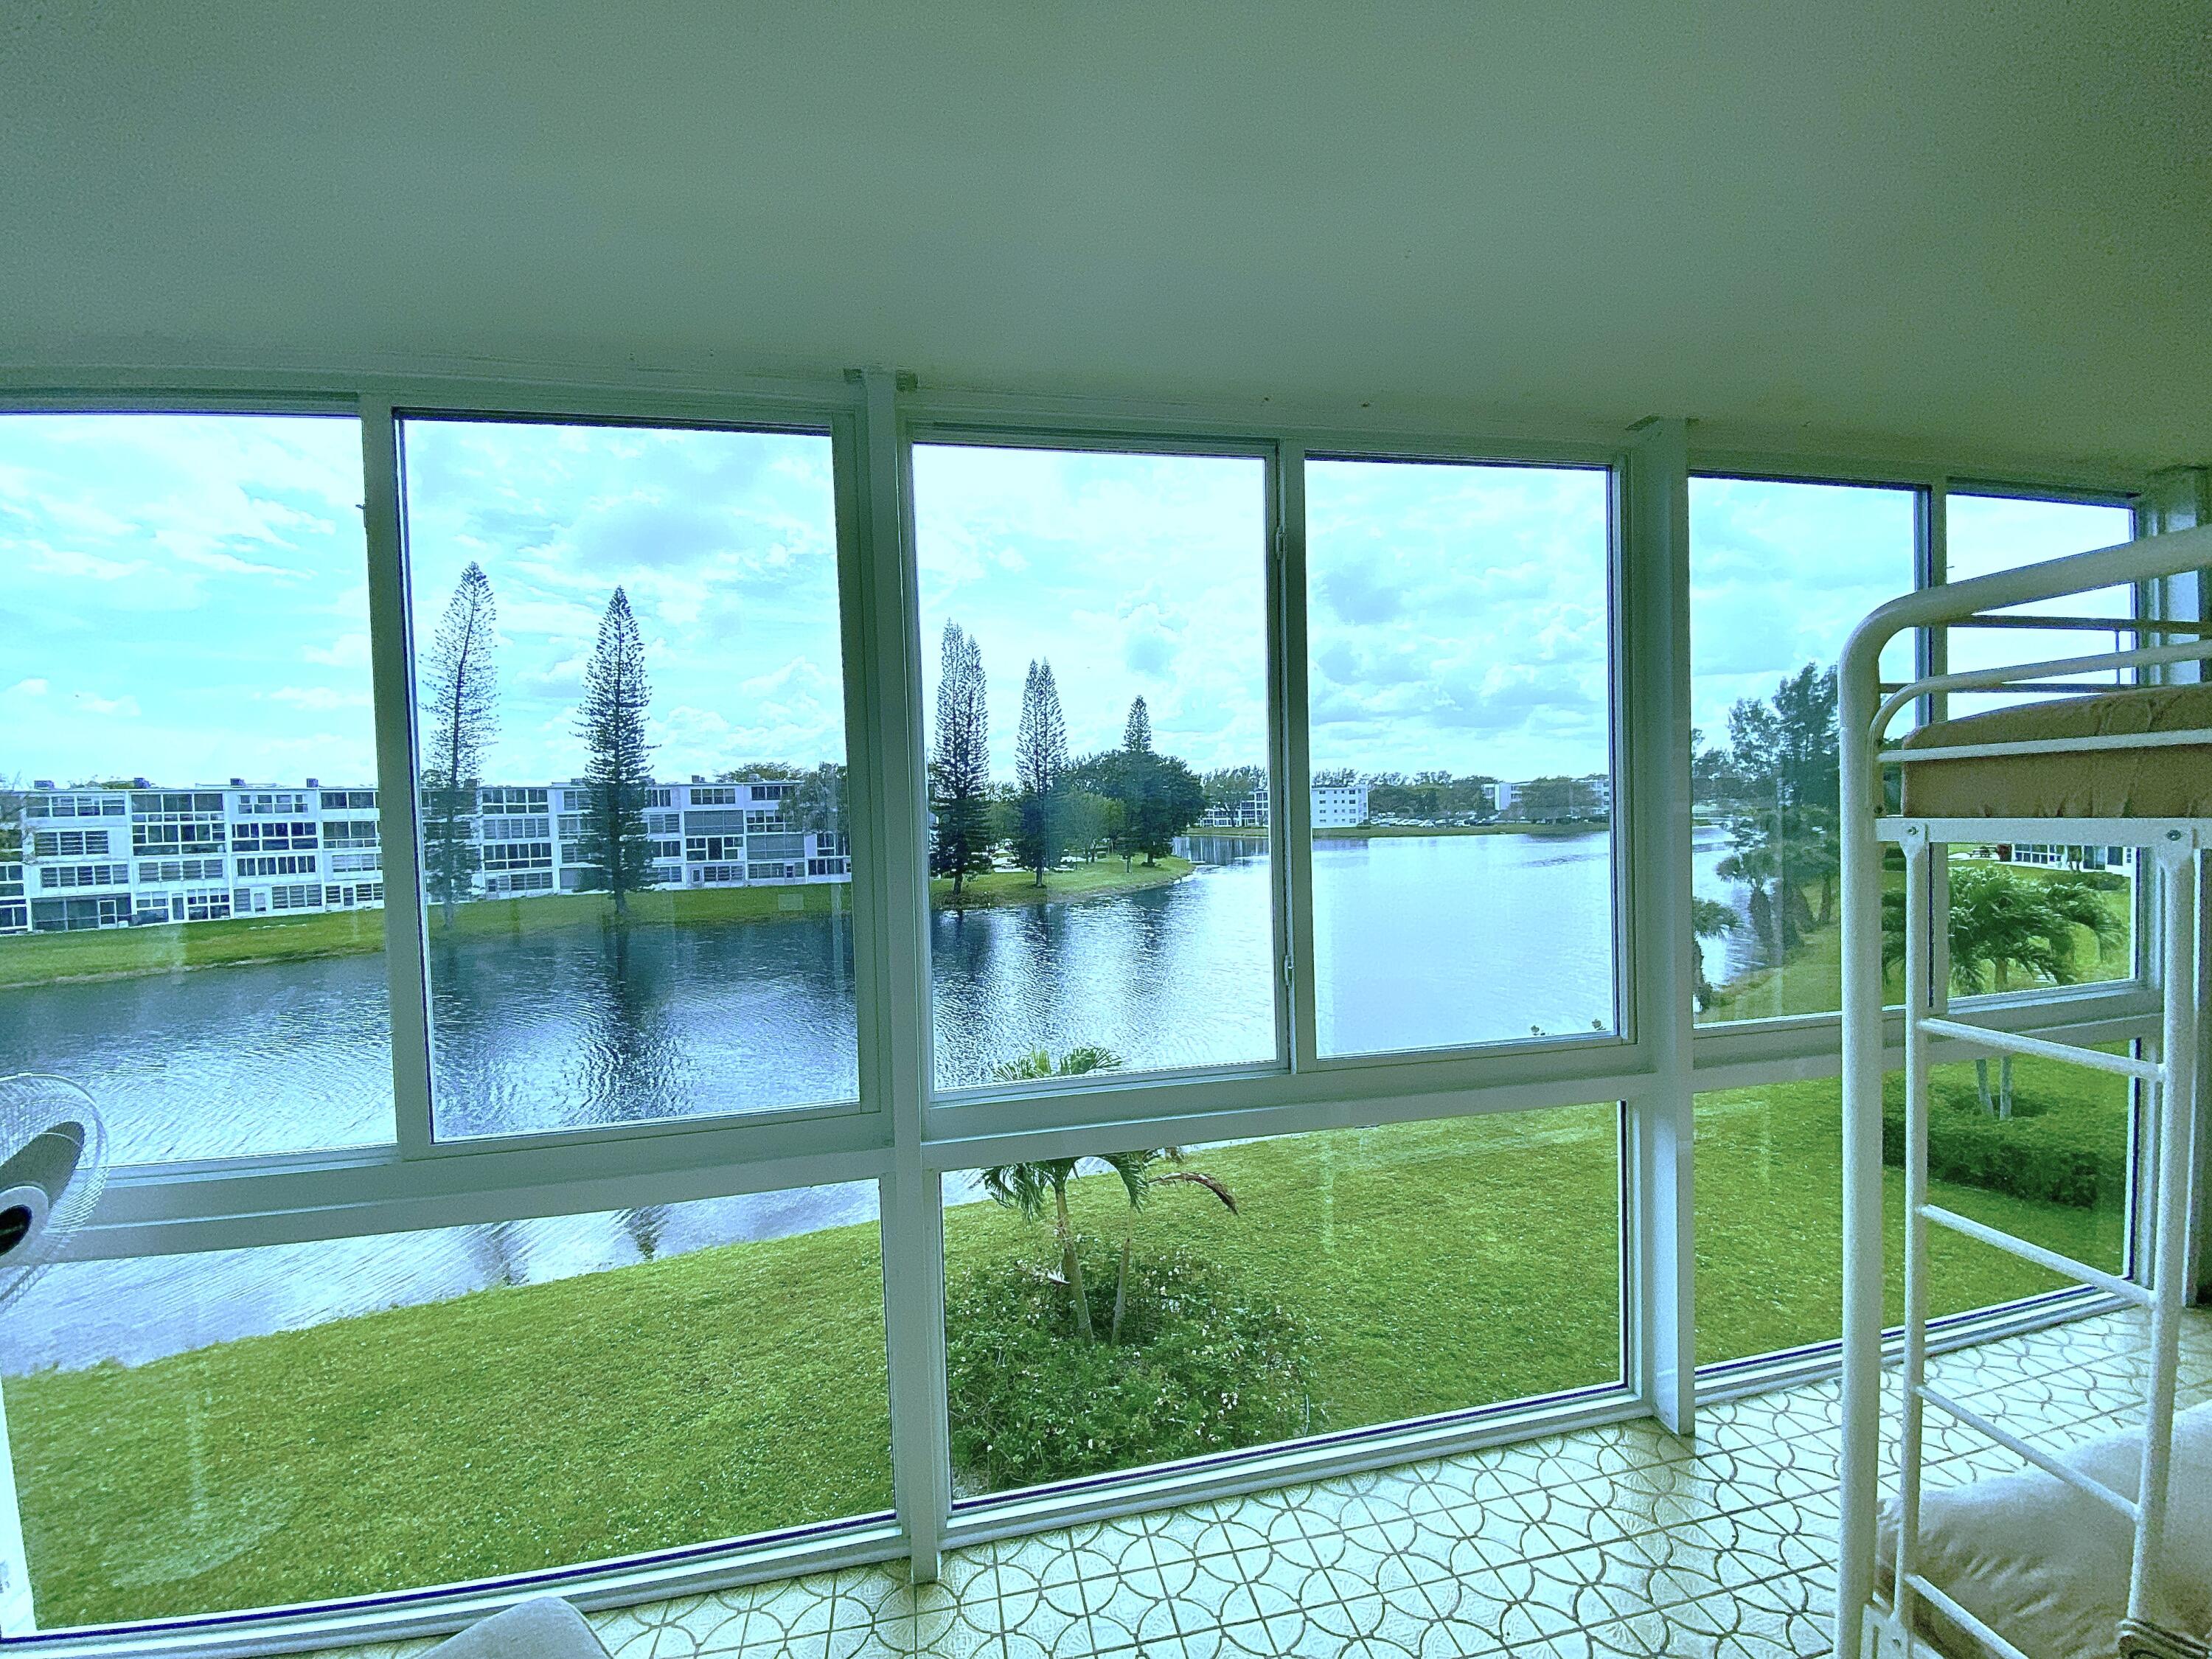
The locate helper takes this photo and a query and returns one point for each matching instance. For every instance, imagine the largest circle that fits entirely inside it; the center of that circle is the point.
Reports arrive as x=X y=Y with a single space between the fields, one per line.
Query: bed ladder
x=2170 y=1080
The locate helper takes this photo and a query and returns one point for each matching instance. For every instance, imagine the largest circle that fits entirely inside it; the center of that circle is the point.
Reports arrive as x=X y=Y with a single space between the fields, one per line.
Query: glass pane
x=188 y=744
x=1984 y=534
x=2045 y=1160
x=1094 y=659
x=249 y=1428
x=1261 y=1290
x=631 y=726
x=1462 y=742
x=1780 y=574
x=2091 y=889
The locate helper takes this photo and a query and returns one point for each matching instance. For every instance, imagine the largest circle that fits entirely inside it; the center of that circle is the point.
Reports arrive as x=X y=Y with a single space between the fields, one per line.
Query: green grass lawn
x=123 y=952
x=1094 y=878
x=734 y=1389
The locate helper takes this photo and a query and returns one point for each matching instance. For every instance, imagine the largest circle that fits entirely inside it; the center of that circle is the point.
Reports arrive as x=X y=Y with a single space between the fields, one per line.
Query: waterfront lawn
x=1092 y=878
x=1769 y=1201
x=1442 y=1264
x=1811 y=978
x=123 y=952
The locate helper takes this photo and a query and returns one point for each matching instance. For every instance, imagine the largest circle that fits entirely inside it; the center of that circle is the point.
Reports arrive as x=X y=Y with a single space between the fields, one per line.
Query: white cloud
x=33 y=687
x=347 y=651
x=125 y=708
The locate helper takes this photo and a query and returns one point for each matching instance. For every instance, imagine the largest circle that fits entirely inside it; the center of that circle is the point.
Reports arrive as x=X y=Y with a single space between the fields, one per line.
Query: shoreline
x=190 y=946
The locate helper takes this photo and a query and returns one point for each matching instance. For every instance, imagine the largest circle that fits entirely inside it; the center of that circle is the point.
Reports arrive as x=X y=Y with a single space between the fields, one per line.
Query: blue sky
x=186 y=598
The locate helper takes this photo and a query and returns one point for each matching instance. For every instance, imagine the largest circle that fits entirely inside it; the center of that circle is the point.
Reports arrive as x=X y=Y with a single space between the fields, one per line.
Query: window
x=70 y=843
x=668 y=606
x=1990 y=533
x=1102 y=619
x=1780 y=573
x=348 y=800
x=1365 y=1277
x=255 y=1427
x=2037 y=1149
x=190 y=646
x=1460 y=711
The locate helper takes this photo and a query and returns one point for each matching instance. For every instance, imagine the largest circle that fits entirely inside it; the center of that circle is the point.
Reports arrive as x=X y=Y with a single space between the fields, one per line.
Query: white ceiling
x=1981 y=229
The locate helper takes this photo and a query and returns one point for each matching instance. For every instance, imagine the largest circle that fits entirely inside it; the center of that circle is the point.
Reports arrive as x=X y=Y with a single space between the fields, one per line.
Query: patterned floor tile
x=1618 y=1540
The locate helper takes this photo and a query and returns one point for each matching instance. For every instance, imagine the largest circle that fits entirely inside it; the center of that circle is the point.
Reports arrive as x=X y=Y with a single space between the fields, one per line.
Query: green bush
x=1206 y=1364
x=2054 y=1156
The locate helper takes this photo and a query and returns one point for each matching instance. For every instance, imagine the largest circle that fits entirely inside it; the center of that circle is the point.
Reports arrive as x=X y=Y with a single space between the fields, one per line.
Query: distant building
x=1589 y=796
x=1335 y=806
x=138 y=856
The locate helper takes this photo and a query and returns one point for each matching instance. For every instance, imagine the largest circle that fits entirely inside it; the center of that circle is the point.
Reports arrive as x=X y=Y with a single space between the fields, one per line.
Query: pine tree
x=1040 y=765
x=960 y=767
x=1137 y=735
x=459 y=701
x=618 y=768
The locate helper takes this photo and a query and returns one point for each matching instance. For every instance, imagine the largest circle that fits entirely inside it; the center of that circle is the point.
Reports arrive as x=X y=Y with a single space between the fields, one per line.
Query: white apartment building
x=1335 y=806
x=1590 y=796
x=115 y=857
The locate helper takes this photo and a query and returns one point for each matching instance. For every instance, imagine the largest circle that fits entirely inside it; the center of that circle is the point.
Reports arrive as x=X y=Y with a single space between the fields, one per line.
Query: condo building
x=118 y=857
x=1335 y=806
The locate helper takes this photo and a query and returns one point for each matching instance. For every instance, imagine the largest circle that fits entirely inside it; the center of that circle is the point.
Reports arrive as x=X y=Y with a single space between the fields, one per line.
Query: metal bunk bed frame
x=1864 y=1626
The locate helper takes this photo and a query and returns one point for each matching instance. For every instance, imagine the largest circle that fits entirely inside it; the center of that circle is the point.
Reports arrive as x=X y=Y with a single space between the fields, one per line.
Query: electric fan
x=53 y=1162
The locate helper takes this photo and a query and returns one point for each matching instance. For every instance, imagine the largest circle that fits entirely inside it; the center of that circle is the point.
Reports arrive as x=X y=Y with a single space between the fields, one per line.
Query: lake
x=1420 y=941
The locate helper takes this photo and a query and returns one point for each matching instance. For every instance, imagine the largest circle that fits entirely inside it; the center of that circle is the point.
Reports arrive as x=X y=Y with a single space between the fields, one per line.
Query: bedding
x=2171 y=782
x=2046 y=1566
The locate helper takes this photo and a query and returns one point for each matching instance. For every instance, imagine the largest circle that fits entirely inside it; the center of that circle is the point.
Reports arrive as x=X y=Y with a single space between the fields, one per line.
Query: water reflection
x=1482 y=936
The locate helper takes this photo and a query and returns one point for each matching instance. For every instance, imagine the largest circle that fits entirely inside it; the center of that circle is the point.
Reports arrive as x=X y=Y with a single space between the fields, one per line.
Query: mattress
x=2171 y=782
x=2046 y=1566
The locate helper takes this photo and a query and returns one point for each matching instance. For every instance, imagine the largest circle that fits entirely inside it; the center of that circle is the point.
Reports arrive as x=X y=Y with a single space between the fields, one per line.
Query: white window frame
x=900 y=1134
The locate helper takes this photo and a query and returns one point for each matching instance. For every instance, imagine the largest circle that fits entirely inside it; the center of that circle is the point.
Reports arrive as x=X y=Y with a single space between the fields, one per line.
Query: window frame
x=900 y=1134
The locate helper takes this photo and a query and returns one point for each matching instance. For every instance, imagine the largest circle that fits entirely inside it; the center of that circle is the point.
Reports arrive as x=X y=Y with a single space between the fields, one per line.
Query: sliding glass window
x=1780 y=573
x=1459 y=629
x=2086 y=894
x=251 y=1428
x=630 y=732
x=1094 y=649
x=190 y=879
x=1106 y=1313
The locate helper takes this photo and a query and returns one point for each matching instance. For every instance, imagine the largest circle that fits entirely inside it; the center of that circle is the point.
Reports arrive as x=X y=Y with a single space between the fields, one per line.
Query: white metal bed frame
x=1864 y=1626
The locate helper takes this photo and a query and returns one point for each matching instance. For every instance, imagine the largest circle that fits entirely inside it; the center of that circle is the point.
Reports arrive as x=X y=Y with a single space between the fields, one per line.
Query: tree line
x=1129 y=800
x=1776 y=783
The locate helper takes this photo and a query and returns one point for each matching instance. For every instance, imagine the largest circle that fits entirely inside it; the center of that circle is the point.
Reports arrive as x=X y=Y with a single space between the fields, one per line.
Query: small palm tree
x=1137 y=1179
x=1026 y=1188
x=2008 y=927
x=1709 y=919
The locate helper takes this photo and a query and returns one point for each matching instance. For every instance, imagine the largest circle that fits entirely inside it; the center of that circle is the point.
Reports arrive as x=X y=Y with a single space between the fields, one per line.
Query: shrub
x=1206 y=1364
x=2052 y=1156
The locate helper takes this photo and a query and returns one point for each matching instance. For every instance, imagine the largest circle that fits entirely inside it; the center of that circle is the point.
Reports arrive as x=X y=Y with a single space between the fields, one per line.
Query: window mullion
x=1292 y=785
x=1651 y=576
x=391 y=657
x=896 y=875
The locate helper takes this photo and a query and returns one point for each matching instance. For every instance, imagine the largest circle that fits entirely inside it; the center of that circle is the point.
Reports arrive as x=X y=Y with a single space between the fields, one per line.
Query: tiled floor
x=1616 y=1540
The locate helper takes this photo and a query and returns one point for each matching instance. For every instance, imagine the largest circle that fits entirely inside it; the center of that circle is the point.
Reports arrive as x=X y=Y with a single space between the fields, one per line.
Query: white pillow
x=2046 y=1566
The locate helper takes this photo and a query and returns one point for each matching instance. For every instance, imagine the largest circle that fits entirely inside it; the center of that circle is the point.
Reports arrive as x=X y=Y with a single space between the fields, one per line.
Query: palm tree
x=1137 y=1180
x=1025 y=1187
x=1709 y=919
x=2008 y=927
